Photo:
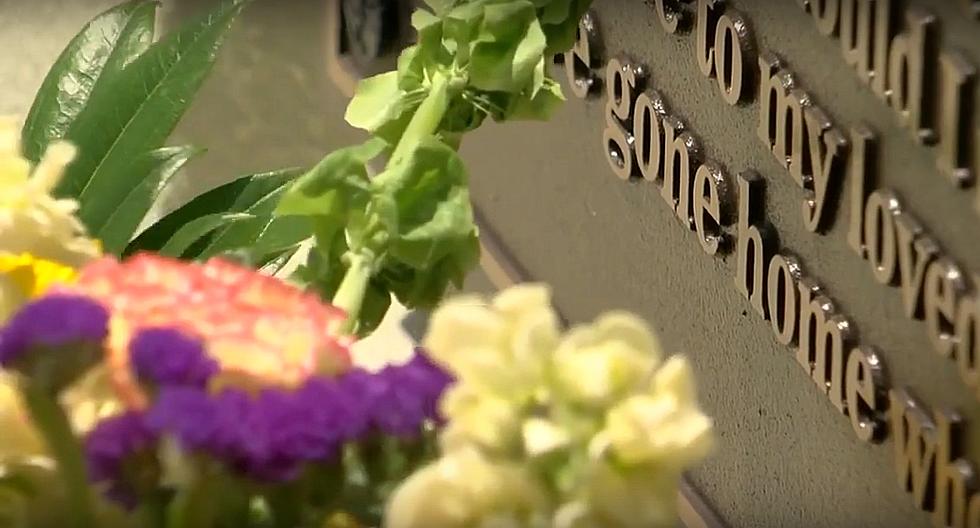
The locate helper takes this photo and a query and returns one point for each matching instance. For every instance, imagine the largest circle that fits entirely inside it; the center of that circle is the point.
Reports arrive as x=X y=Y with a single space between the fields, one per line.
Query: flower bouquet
x=197 y=371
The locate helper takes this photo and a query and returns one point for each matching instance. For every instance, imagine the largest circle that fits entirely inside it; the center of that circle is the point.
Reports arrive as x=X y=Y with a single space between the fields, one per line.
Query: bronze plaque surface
x=788 y=191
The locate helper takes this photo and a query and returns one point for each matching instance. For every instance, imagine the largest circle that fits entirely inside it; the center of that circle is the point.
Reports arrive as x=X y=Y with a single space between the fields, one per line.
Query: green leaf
x=425 y=288
x=510 y=45
x=539 y=107
x=235 y=197
x=441 y=6
x=381 y=107
x=121 y=224
x=430 y=193
x=332 y=190
x=197 y=229
x=94 y=57
x=138 y=111
x=429 y=29
x=561 y=34
x=424 y=204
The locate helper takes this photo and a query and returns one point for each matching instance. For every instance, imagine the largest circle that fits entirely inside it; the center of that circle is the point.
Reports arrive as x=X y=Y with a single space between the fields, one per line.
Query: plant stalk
x=50 y=419
x=350 y=293
x=427 y=118
x=425 y=122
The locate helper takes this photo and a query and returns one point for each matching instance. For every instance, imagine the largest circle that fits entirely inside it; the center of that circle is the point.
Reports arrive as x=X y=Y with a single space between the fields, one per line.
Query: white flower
x=543 y=436
x=636 y=498
x=594 y=421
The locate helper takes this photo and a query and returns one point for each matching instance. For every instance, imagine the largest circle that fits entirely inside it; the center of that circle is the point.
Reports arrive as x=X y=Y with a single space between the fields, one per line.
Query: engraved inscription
x=582 y=59
x=891 y=47
x=902 y=253
x=802 y=139
x=643 y=139
x=956 y=132
x=723 y=47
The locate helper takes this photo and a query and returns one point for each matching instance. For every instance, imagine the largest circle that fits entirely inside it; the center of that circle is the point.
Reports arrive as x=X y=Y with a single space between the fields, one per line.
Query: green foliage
x=494 y=52
x=413 y=223
x=160 y=166
x=93 y=58
x=236 y=215
x=117 y=96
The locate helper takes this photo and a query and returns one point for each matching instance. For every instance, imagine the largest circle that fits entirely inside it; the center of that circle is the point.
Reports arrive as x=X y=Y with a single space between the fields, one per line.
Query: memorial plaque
x=788 y=192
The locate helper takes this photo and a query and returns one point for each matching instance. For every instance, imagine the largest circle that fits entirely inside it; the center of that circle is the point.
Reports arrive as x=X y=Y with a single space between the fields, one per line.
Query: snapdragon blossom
x=598 y=421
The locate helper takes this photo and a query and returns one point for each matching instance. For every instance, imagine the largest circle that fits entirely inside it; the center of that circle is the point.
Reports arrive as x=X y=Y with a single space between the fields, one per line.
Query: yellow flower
x=25 y=276
x=465 y=489
x=663 y=427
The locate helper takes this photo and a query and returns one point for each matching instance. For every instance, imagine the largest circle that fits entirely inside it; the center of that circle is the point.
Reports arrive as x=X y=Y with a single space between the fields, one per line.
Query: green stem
x=193 y=505
x=50 y=419
x=350 y=293
x=425 y=122
x=427 y=118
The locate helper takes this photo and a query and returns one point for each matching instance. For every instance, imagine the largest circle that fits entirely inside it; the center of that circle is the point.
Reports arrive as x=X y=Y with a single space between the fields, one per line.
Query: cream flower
x=464 y=489
x=39 y=234
x=664 y=427
x=501 y=348
x=490 y=421
x=596 y=418
x=601 y=362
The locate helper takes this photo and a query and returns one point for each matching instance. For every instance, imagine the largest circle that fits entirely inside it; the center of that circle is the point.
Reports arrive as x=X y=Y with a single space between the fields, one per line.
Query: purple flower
x=52 y=321
x=190 y=414
x=116 y=451
x=168 y=357
x=271 y=435
x=400 y=399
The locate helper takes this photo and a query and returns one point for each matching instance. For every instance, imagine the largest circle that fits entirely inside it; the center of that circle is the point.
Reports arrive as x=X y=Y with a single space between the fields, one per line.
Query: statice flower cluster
x=268 y=435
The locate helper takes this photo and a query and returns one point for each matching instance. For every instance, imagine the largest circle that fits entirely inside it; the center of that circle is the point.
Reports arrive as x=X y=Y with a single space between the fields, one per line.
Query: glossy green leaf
x=94 y=57
x=138 y=111
x=122 y=222
x=247 y=232
x=197 y=229
x=237 y=196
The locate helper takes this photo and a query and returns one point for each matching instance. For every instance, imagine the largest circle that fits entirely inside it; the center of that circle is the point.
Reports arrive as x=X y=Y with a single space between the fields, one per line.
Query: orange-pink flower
x=261 y=330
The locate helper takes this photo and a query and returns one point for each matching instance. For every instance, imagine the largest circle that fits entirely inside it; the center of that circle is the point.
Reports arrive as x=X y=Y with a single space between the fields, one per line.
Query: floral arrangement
x=178 y=375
